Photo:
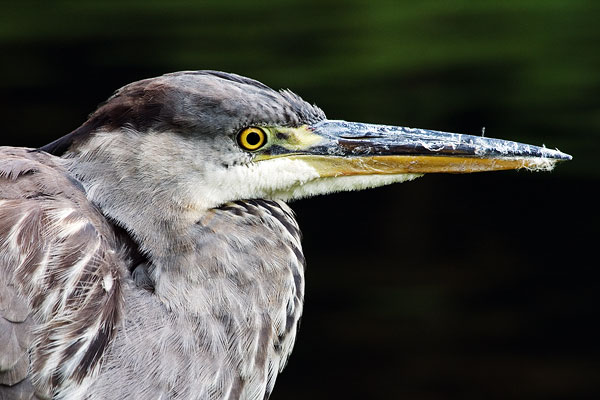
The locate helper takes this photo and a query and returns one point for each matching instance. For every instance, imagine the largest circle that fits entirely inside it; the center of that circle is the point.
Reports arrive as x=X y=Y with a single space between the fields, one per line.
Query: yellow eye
x=251 y=138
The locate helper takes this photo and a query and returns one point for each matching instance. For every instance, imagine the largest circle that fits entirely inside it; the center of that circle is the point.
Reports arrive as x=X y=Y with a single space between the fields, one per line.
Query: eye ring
x=251 y=138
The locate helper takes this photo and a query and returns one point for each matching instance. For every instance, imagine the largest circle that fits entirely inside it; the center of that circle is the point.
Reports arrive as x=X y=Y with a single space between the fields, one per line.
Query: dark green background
x=476 y=286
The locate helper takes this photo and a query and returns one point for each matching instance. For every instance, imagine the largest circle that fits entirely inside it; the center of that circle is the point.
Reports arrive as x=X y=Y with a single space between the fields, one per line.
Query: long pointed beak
x=351 y=148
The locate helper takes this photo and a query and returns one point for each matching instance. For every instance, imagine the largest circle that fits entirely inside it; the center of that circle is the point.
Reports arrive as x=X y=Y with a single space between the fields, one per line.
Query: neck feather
x=126 y=175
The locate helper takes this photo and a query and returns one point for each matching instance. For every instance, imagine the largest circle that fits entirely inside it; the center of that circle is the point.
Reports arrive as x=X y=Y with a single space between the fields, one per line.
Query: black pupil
x=253 y=138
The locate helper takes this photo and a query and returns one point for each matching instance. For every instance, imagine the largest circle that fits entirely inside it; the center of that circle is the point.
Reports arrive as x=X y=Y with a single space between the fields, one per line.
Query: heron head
x=219 y=137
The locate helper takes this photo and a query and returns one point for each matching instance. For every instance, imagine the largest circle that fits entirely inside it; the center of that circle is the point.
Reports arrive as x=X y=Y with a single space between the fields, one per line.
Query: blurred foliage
x=448 y=287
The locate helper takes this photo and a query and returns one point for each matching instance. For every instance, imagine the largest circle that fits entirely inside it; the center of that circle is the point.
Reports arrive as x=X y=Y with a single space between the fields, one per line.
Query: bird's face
x=228 y=138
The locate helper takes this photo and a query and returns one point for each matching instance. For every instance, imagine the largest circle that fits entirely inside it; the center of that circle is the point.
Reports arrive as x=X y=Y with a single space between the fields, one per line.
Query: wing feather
x=61 y=274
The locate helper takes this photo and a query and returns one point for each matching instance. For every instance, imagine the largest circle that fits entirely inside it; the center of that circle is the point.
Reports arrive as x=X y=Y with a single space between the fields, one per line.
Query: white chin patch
x=341 y=184
x=280 y=179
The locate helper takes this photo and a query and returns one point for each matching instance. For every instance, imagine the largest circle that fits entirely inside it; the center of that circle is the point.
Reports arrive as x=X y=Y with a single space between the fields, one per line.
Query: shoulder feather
x=61 y=275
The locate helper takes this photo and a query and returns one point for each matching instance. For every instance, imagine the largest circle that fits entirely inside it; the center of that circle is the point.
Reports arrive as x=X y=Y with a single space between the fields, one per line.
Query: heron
x=151 y=253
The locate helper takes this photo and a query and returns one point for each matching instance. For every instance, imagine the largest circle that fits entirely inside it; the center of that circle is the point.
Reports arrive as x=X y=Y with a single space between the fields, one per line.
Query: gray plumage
x=121 y=288
x=149 y=254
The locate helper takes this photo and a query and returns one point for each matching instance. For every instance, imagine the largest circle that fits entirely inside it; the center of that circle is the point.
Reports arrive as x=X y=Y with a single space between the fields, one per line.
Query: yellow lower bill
x=331 y=166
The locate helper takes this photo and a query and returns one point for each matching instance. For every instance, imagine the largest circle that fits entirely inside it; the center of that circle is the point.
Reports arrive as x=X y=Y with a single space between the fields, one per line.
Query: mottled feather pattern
x=216 y=321
x=57 y=254
x=229 y=313
x=138 y=265
x=286 y=274
x=135 y=267
x=279 y=218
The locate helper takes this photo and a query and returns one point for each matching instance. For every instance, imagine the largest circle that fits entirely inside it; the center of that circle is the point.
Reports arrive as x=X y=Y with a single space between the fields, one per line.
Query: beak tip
x=546 y=160
x=560 y=156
